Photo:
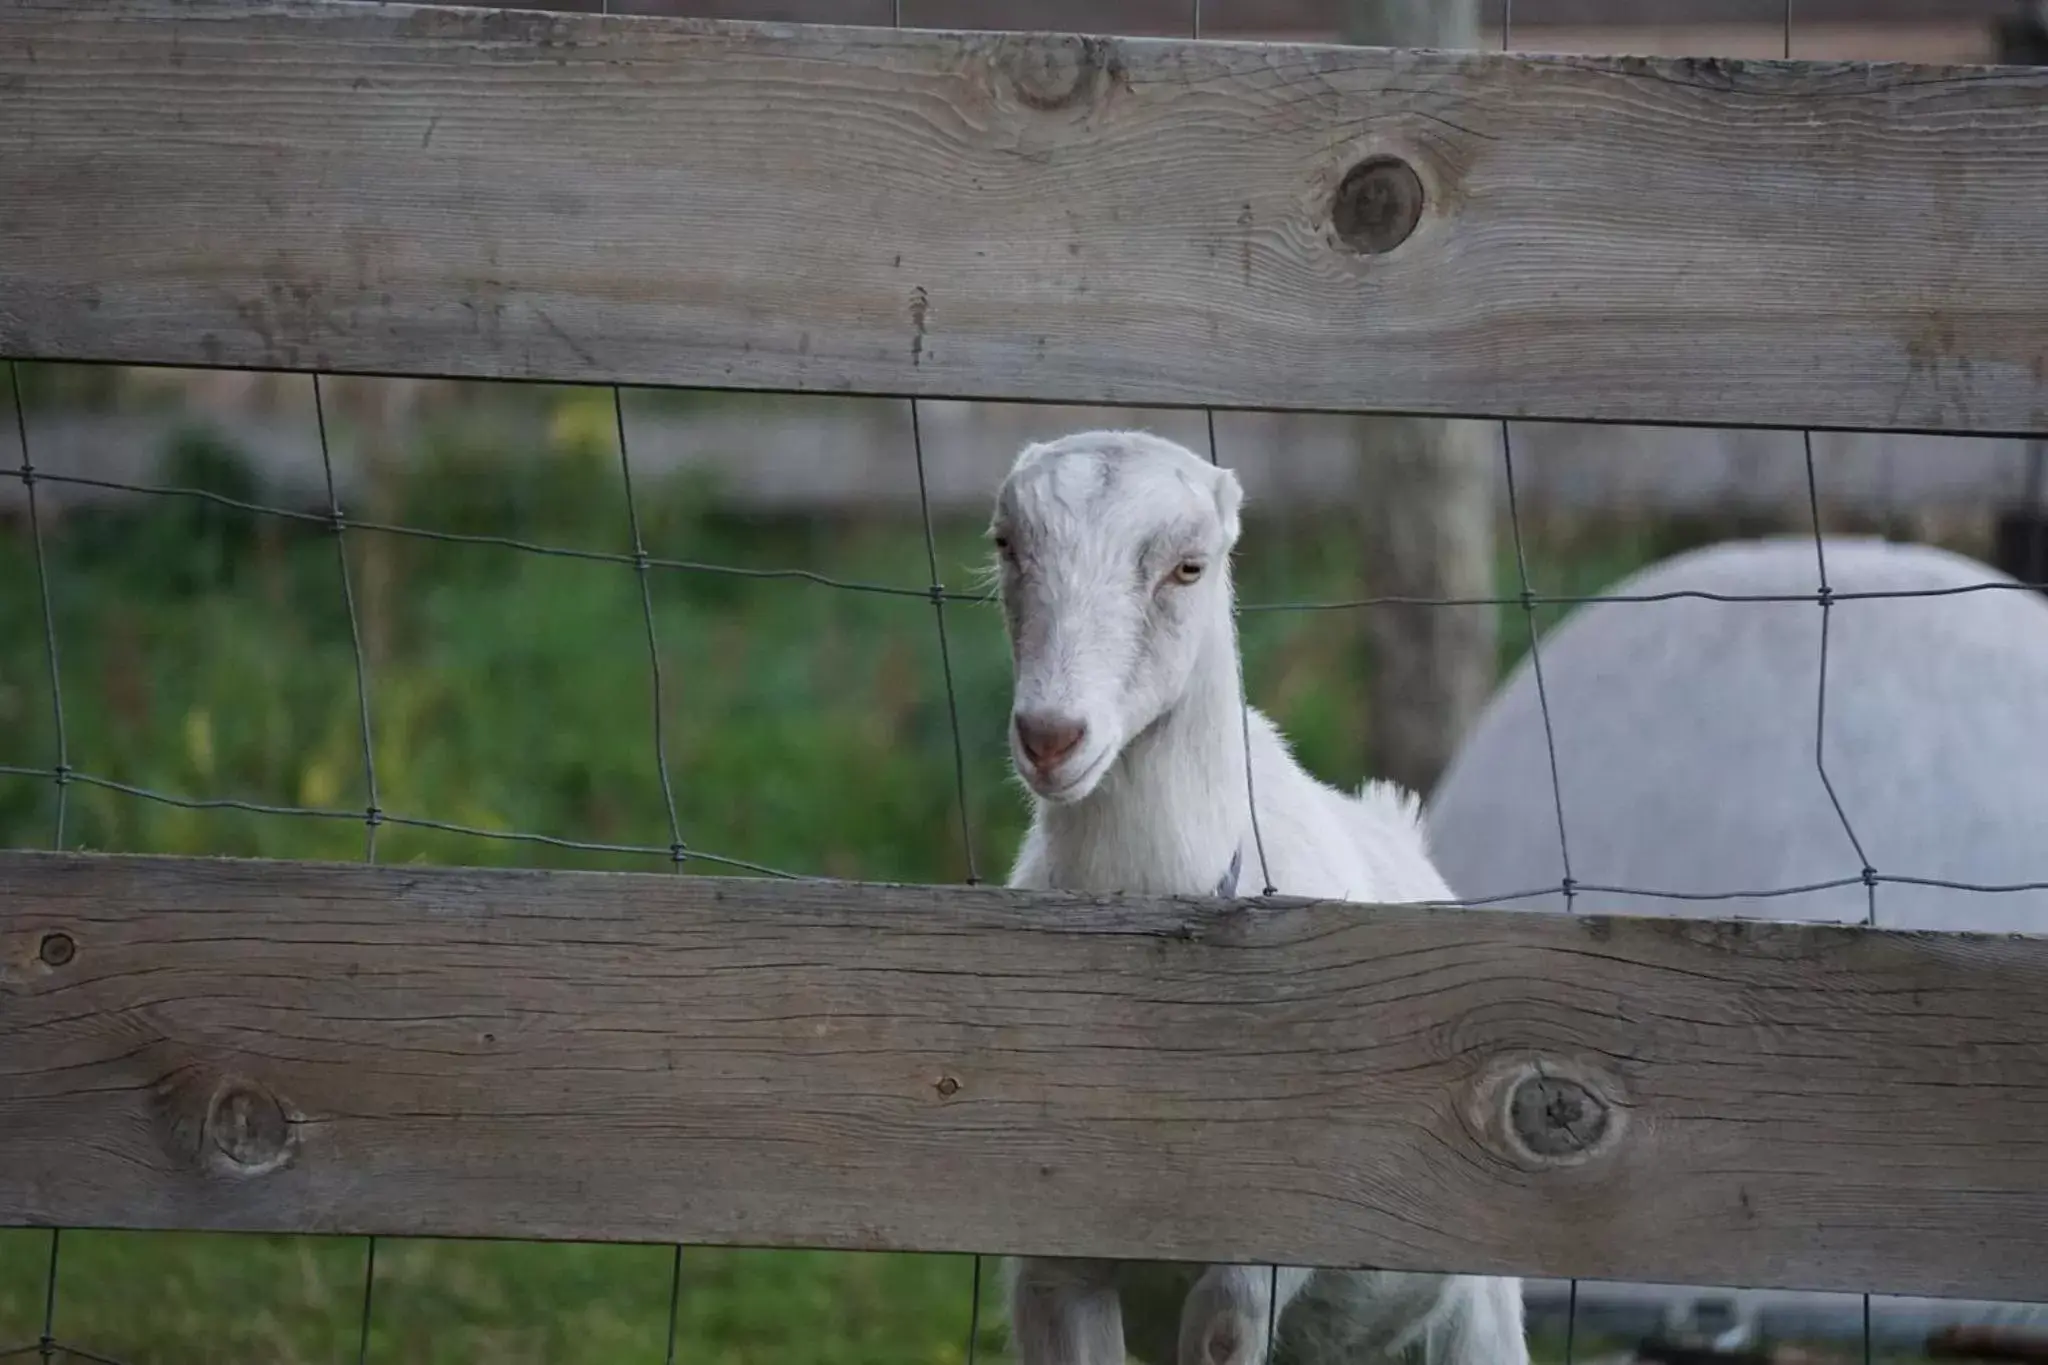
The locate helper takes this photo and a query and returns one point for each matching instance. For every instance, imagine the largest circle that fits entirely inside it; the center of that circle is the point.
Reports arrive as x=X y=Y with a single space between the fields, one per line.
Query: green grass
x=207 y=653
x=199 y=1299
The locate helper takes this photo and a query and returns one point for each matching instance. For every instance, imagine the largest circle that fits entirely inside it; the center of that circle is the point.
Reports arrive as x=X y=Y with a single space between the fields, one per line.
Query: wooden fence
x=316 y=185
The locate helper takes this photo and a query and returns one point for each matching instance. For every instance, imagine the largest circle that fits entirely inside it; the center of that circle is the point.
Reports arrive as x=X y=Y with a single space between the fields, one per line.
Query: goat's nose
x=1046 y=740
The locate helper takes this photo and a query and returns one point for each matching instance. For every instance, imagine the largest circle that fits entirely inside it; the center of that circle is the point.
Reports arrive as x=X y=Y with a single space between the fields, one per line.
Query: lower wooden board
x=285 y=1047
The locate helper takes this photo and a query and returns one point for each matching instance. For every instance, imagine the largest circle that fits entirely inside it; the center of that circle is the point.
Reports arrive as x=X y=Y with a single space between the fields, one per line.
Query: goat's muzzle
x=1048 y=741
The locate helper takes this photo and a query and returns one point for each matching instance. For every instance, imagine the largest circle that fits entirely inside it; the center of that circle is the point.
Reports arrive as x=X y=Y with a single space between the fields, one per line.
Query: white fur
x=1091 y=529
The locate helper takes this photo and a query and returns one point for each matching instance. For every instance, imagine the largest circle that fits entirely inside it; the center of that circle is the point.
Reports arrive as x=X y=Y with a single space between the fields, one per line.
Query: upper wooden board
x=576 y=197
x=325 y=185
x=305 y=1048
x=445 y=191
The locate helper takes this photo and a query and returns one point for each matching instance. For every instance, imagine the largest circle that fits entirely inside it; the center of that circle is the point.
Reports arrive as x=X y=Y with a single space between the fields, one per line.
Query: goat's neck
x=1173 y=808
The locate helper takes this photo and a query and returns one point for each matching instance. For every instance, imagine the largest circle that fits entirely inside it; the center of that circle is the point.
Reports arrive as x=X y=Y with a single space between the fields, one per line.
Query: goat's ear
x=1229 y=497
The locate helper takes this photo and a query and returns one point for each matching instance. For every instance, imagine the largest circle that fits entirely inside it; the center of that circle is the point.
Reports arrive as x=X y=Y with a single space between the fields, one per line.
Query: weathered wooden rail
x=387 y=188
x=303 y=1048
x=316 y=185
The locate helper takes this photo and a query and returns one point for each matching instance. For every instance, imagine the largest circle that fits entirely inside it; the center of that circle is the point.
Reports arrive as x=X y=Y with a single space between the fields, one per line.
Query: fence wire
x=63 y=775
x=937 y=592
x=680 y=854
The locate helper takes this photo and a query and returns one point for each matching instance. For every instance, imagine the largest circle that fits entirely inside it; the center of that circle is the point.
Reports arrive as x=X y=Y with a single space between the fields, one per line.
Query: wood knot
x=1378 y=205
x=1056 y=71
x=1549 y=1113
x=247 y=1131
x=947 y=1087
x=1554 y=1116
x=57 y=949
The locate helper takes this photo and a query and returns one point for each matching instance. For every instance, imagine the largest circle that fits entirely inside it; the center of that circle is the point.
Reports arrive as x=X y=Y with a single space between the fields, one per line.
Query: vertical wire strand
x=974 y=1312
x=1568 y=886
x=373 y=814
x=678 y=851
x=1251 y=791
x=1571 y=1307
x=959 y=753
x=46 y=1345
x=369 y=1297
x=1272 y=1311
x=1244 y=696
x=1820 y=708
x=1571 y=1322
x=1564 y=849
x=61 y=771
x=1250 y=787
x=1826 y=598
x=1258 y=841
x=938 y=595
x=373 y=810
x=675 y=1303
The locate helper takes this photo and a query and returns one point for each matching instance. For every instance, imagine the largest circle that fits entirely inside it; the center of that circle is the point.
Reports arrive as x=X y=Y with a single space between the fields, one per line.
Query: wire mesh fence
x=64 y=776
x=66 y=769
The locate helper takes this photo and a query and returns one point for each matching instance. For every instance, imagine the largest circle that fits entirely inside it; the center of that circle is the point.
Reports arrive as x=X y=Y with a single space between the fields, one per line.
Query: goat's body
x=1151 y=776
x=1375 y=1316
x=1166 y=820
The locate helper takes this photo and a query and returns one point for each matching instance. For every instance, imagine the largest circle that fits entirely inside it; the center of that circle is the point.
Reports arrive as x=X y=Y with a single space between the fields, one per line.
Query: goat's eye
x=1002 y=545
x=1187 y=571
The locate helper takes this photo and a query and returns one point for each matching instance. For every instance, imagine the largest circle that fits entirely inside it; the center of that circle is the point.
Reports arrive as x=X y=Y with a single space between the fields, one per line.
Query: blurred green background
x=206 y=652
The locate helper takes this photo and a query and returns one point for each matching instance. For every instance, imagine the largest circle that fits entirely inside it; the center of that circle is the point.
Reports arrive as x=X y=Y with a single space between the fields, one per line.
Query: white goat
x=1128 y=727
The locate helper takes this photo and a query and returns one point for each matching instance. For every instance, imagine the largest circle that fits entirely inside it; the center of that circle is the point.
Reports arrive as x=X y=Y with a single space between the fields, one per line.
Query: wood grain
x=309 y=1048
x=317 y=185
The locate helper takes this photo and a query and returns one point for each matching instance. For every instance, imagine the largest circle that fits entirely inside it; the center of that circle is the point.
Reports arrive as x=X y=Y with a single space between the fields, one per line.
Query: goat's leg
x=1234 y=1311
x=1482 y=1324
x=1066 y=1313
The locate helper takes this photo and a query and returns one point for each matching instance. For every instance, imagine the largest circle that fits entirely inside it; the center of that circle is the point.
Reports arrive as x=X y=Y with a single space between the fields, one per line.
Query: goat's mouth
x=1071 y=781
x=1068 y=782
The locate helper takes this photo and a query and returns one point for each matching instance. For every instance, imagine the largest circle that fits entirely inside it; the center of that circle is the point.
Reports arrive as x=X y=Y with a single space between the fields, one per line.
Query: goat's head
x=1113 y=557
